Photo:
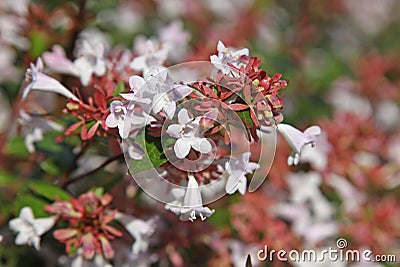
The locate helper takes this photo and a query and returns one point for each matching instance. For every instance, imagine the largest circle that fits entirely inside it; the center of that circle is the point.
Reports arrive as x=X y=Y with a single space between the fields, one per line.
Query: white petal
x=111 y=121
x=202 y=145
x=181 y=91
x=85 y=70
x=293 y=136
x=212 y=114
x=43 y=225
x=24 y=238
x=181 y=148
x=193 y=196
x=220 y=46
x=183 y=116
x=35 y=241
x=100 y=68
x=19 y=225
x=173 y=130
x=159 y=102
x=136 y=152
x=138 y=63
x=43 y=82
x=311 y=132
x=242 y=185
x=26 y=214
x=251 y=167
x=136 y=82
x=233 y=181
x=169 y=109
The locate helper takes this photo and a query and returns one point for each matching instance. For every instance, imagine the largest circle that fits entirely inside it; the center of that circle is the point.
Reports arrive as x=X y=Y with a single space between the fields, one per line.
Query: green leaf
x=98 y=191
x=120 y=88
x=50 y=167
x=16 y=147
x=154 y=154
x=48 y=144
x=6 y=178
x=49 y=191
x=38 y=43
x=37 y=205
x=245 y=116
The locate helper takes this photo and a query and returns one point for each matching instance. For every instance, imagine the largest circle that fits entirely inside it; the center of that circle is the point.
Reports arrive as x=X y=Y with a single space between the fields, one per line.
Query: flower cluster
x=88 y=218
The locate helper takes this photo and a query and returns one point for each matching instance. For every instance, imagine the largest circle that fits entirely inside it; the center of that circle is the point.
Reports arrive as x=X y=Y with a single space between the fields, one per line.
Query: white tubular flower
x=57 y=61
x=90 y=61
x=176 y=39
x=237 y=170
x=152 y=54
x=126 y=118
x=188 y=134
x=352 y=198
x=41 y=82
x=297 y=139
x=117 y=116
x=138 y=88
x=228 y=55
x=168 y=94
x=188 y=205
x=33 y=129
x=139 y=229
x=30 y=229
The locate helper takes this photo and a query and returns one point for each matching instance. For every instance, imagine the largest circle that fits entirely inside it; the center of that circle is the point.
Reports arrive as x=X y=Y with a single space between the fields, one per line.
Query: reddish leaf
x=73 y=127
x=93 y=130
x=254 y=118
x=238 y=107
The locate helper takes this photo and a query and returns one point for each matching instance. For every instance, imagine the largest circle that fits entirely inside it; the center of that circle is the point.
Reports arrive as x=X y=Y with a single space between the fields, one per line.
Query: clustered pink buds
x=88 y=217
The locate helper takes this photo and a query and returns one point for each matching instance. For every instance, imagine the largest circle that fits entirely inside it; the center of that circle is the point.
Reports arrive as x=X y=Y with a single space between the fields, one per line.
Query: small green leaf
x=36 y=204
x=245 y=116
x=154 y=154
x=98 y=191
x=38 y=43
x=49 y=191
x=16 y=147
x=6 y=178
x=120 y=88
x=50 y=167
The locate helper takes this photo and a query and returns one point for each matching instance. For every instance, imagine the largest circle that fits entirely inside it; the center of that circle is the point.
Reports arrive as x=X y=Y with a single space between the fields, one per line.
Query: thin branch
x=79 y=24
x=105 y=163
